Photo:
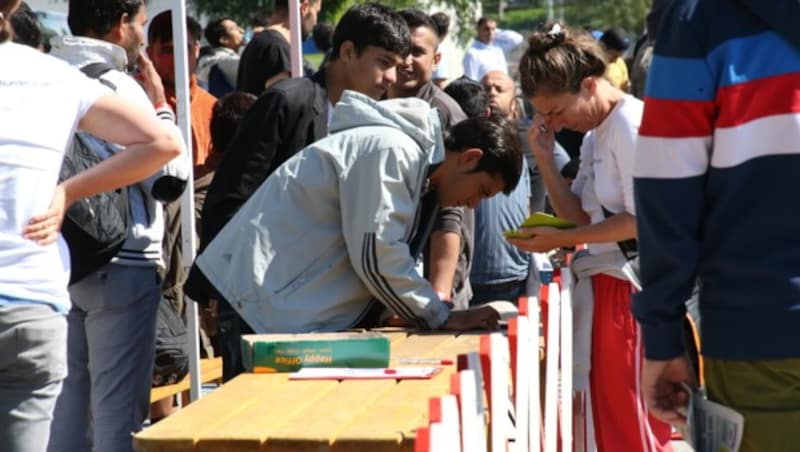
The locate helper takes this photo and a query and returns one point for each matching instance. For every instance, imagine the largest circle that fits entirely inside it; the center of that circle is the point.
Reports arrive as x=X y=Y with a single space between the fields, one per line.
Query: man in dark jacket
x=369 y=42
x=448 y=255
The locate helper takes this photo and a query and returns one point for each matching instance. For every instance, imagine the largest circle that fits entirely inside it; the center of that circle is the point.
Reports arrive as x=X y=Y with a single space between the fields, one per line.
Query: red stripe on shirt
x=676 y=118
x=768 y=96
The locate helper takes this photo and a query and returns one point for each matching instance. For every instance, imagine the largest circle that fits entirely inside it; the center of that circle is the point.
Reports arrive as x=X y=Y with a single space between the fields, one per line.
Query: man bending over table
x=330 y=240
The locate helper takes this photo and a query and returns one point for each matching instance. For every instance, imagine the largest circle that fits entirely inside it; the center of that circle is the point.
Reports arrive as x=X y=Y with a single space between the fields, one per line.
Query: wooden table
x=268 y=412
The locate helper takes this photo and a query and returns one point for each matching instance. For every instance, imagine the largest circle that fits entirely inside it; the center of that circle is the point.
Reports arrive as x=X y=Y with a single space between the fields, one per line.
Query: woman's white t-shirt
x=42 y=99
x=605 y=176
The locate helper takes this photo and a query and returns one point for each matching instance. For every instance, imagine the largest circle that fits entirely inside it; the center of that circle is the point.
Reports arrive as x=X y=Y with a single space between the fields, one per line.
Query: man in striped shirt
x=718 y=155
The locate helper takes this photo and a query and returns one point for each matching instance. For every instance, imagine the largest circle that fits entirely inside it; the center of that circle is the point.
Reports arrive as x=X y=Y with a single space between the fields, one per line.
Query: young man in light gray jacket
x=334 y=232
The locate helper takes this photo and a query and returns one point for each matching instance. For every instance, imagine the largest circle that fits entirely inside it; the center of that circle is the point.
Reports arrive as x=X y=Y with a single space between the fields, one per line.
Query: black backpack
x=94 y=227
x=172 y=346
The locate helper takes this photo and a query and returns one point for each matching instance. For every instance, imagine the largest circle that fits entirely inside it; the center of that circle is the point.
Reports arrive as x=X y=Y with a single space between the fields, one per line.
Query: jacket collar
x=81 y=50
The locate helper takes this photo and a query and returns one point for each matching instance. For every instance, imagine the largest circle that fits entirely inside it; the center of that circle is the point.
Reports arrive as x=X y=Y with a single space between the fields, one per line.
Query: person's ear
x=304 y=5
x=149 y=50
x=116 y=33
x=589 y=84
x=437 y=57
x=468 y=159
x=347 y=51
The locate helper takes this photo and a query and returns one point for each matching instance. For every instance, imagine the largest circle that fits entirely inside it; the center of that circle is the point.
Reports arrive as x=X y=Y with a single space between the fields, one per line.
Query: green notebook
x=266 y=353
x=539 y=219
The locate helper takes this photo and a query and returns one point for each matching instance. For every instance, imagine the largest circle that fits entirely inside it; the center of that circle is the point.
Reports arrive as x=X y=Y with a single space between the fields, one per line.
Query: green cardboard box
x=267 y=353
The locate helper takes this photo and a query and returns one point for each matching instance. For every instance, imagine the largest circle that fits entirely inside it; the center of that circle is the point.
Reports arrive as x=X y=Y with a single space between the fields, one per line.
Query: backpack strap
x=96 y=70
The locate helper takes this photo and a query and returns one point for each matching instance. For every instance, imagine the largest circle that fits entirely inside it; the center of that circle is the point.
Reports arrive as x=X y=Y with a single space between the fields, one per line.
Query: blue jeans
x=32 y=366
x=110 y=353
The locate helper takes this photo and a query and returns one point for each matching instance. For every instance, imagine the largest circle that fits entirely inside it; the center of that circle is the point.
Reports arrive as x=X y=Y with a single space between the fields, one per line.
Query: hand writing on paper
x=484 y=318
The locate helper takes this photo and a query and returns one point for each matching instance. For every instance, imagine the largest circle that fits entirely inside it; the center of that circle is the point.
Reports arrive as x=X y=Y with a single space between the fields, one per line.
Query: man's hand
x=43 y=229
x=663 y=391
x=151 y=81
x=484 y=318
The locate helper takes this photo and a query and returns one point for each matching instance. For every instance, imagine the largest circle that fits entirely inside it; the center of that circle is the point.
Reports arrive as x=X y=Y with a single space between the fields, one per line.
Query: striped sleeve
x=378 y=208
x=672 y=160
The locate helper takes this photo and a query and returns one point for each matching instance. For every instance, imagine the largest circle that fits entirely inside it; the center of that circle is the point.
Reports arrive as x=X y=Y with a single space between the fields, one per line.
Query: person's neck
x=395 y=91
x=437 y=176
x=607 y=98
x=282 y=26
x=335 y=81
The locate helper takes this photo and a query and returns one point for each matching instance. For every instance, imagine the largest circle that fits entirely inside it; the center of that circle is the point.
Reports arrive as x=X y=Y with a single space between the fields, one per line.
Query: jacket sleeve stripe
x=665 y=70
x=675 y=158
x=774 y=135
x=760 y=98
x=677 y=118
x=369 y=261
x=754 y=57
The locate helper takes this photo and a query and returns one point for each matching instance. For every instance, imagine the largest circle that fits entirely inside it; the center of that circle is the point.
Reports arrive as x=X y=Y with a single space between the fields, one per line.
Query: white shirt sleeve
x=88 y=89
x=507 y=40
x=624 y=153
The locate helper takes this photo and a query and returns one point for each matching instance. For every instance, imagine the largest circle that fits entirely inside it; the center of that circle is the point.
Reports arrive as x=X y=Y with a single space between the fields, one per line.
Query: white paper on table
x=348 y=373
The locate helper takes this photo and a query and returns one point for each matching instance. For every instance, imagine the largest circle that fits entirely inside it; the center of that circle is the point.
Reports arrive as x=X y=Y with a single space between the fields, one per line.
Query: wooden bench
x=210 y=371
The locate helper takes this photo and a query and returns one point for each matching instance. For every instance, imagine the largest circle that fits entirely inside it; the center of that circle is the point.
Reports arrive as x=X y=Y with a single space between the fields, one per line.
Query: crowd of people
x=376 y=190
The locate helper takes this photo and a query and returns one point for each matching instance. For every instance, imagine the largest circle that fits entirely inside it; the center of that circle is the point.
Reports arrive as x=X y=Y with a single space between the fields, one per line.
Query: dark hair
x=372 y=24
x=615 y=39
x=282 y=6
x=98 y=17
x=499 y=141
x=215 y=31
x=5 y=22
x=322 y=34
x=442 y=21
x=415 y=18
x=260 y=18
x=558 y=60
x=160 y=29
x=226 y=116
x=26 y=26
x=483 y=20
x=470 y=95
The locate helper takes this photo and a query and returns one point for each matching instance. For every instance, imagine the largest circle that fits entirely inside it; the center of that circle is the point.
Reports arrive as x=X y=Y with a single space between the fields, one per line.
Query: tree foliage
x=601 y=14
x=242 y=10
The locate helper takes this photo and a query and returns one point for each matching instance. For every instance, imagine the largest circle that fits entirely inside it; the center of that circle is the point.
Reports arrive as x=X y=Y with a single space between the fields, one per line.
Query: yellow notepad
x=539 y=219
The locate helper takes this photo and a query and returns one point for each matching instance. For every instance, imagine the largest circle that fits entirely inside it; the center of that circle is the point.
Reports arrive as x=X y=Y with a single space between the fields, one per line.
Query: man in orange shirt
x=160 y=50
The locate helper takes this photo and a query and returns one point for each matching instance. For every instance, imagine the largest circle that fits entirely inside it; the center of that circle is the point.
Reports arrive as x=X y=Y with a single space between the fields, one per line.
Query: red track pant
x=621 y=420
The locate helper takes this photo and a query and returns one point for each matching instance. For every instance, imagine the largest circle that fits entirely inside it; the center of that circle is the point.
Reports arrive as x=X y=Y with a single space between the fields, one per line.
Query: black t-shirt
x=265 y=56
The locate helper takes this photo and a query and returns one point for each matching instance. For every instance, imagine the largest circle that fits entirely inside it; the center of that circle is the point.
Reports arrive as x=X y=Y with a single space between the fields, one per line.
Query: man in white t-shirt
x=486 y=52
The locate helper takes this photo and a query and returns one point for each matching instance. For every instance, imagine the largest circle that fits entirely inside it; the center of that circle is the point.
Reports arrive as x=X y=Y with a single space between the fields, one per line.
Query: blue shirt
x=495 y=260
